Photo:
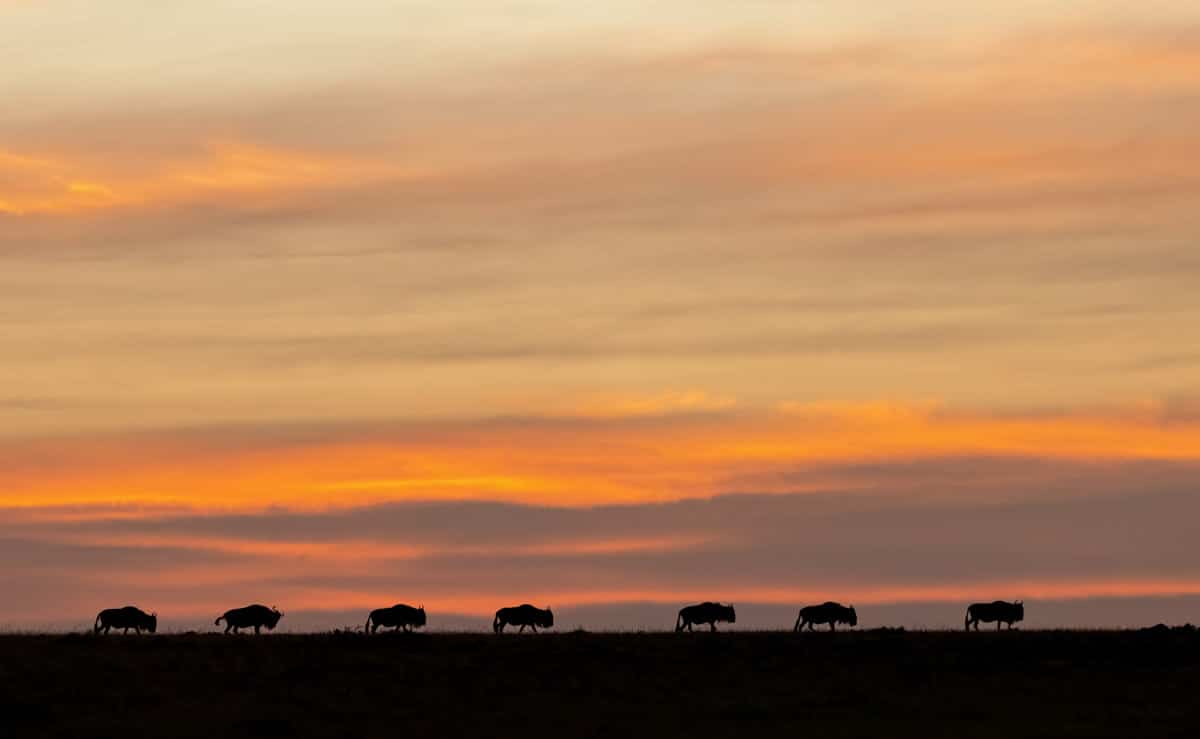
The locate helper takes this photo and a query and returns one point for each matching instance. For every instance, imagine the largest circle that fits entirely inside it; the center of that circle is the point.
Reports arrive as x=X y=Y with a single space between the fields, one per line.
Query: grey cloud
x=43 y=555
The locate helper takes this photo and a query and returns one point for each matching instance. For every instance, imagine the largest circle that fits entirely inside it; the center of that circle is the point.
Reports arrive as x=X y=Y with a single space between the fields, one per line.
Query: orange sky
x=567 y=461
x=299 y=258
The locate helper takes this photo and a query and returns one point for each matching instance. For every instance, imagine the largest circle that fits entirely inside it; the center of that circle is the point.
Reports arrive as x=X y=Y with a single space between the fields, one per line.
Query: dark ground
x=1018 y=684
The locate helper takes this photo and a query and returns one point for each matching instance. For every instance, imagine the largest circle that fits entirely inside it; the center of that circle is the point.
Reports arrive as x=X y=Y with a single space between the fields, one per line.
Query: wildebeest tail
x=679 y=622
x=96 y=626
x=218 y=621
x=367 y=628
x=967 y=619
x=496 y=622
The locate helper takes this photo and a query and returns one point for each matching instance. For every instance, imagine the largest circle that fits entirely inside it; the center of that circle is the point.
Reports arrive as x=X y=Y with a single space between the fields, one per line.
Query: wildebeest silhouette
x=827 y=613
x=251 y=616
x=705 y=613
x=398 y=616
x=125 y=618
x=523 y=615
x=1000 y=611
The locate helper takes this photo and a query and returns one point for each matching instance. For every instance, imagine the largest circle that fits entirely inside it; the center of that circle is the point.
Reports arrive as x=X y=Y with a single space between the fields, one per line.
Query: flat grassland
x=885 y=684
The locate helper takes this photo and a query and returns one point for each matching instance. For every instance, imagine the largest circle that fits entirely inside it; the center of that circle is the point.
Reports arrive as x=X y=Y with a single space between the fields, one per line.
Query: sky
x=611 y=306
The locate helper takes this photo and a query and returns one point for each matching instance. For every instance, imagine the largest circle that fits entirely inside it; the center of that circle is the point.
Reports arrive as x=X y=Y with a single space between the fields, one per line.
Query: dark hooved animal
x=827 y=613
x=1000 y=611
x=705 y=613
x=125 y=619
x=255 y=616
x=522 y=615
x=399 y=616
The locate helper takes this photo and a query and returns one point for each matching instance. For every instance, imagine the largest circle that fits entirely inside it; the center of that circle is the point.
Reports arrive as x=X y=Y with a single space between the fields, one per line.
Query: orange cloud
x=366 y=552
x=573 y=463
x=45 y=185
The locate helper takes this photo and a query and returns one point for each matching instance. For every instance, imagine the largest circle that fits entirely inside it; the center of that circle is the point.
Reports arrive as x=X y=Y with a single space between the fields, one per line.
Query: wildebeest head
x=272 y=619
x=1019 y=610
x=151 y=622
x=851 y=616
x=420 y=618
x=728 y=613
x=546 y=618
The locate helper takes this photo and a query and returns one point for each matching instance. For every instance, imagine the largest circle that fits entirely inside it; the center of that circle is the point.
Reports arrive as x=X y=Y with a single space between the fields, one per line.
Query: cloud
x=583 y=460
x=220 y=171
x=1065 y=530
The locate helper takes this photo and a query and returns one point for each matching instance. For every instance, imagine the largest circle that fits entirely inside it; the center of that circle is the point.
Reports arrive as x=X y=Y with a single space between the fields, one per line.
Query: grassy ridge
x=935 y=684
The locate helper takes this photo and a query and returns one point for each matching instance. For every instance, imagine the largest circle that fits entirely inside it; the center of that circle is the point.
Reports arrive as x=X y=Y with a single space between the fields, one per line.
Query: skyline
x=336 y=307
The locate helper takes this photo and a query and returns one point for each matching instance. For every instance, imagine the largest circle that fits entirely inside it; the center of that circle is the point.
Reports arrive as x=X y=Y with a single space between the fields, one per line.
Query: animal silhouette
x=1002 y=612
x=255 y=616
x=827 y=613
x=705 y=613
x=522 y=615
x=125 y=618
x=398 y=616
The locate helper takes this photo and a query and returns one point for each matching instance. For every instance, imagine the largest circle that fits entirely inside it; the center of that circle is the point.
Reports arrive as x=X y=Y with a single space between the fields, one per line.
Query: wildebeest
x=255 y=615
x=523 y=615
x=705 y=613
x=126 y=618
x=827 y=613
x=398 y=616
x=1002 y=612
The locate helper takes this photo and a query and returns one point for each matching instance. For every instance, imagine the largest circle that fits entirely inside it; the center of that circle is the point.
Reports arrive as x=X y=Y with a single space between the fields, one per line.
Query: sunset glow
x=467 y=303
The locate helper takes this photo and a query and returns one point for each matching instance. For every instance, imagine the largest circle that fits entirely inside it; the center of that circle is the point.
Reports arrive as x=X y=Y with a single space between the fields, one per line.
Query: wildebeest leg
x=533 y=628
x=256 y=629
x=522 y=629
x=832 y=627
x=998 y=625
x=712 y=625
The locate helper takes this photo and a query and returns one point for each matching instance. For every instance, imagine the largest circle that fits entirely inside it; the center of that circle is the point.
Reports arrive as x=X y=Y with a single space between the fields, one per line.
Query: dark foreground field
x=1049 y=684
